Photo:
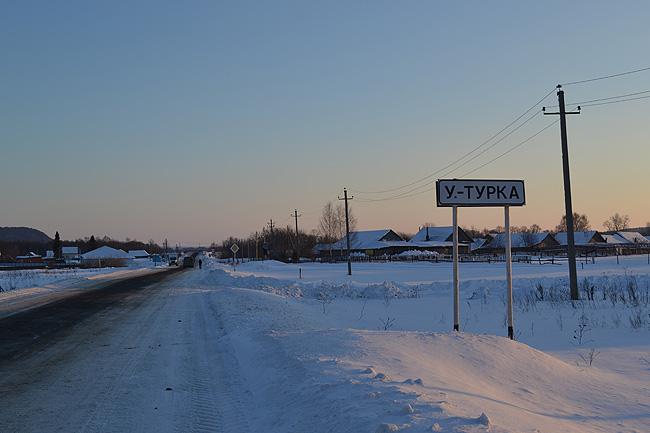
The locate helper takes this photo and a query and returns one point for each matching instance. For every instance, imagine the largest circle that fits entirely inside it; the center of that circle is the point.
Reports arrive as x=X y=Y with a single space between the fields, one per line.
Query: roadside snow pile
x=24 y=279
x=310 y=290
x=366 y=380
x=416 y=253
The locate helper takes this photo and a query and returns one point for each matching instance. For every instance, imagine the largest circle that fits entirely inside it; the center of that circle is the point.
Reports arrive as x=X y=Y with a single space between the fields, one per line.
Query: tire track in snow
x=214 y=395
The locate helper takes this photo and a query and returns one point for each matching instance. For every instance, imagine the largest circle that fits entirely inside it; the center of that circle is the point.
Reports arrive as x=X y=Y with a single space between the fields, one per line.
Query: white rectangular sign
x=480 y=192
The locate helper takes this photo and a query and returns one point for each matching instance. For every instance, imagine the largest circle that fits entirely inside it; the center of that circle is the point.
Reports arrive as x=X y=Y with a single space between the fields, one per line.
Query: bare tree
x=331 y=226
x=327 y=225
x=617 y=222
x=580 y=223
x=529 y=239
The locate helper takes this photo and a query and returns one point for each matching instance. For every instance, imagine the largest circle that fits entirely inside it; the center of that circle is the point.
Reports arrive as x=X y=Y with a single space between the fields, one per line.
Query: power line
x=511 y=149
x=589 y=103
x=616 y=102
x=401 y=196
x=607 y=77
x=506 y=136
x=410 y=192
x=462 y=157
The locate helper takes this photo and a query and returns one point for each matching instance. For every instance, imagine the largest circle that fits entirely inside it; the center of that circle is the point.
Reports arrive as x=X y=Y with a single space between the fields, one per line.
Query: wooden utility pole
x=347 y=227
x=271 y=225
x=297 y=238
x=571 y=245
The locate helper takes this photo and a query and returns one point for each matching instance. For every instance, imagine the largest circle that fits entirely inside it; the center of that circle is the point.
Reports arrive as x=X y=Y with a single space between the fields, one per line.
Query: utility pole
x=297 y=239
x=347 y=227
x=571 y=246
x=271 y=225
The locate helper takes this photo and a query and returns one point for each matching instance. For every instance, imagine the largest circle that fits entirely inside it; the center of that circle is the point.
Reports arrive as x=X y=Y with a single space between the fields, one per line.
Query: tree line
x=280 y=243
x=9 y=250
x=283 y=243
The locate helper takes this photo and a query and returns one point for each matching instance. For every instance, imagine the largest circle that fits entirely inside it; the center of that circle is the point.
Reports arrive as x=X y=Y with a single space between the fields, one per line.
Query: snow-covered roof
x=631 y=237
x=436 y=234
x=30 y=255
x=139 y=253
x=106 y=252
x=371 y=240
x=611 y=239
x=478 y=243
x=580 y=238
x=519 y=240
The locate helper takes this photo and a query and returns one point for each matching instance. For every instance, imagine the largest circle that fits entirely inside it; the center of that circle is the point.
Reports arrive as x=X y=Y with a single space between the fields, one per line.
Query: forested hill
x=23 y=234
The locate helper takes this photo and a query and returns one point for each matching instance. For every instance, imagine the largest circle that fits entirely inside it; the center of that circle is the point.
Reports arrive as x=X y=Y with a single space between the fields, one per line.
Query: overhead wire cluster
x=423 y=185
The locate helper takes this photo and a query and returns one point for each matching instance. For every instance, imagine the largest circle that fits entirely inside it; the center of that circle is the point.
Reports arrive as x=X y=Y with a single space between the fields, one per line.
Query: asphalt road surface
x=139 y=354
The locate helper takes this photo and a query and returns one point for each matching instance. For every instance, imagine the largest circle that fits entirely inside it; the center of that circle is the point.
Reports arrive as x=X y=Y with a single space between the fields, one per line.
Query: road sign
x=234 y=248
x=480 y=192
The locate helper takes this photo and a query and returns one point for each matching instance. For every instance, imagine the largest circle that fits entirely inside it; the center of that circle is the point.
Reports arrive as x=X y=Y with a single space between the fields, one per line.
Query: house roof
x=520 y=240
x=438 y=234
x=611 y=239
x=106 y=252
x=631 y=238
x=139 y=253
x=29 y=255
x=371 y=240
x=580 y=238
x=479 y=243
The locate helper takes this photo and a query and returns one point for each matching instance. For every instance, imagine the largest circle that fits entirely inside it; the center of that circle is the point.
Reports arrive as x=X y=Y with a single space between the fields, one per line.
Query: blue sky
x=198 y=120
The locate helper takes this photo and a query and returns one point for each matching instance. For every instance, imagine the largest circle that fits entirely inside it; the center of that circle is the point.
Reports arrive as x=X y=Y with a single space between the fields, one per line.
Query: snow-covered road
x=153 y=362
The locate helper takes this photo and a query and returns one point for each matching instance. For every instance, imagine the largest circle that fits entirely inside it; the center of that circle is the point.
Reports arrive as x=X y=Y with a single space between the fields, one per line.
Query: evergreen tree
x=92 y=243
x=56 y=247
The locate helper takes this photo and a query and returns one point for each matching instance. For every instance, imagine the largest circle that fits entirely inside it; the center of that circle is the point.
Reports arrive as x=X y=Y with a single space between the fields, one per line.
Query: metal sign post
x=511 y=328
x=234 y=250
x=456 y=193
x=455 y=272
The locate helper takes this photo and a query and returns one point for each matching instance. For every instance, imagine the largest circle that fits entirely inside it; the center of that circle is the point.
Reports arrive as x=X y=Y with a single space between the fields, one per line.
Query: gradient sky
x=198 y=120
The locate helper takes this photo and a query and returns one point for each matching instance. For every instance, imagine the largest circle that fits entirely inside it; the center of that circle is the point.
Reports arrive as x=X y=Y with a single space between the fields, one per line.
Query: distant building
x=106 y=257
x=139 y=254
x=69 y=254
x=370 y=243
x=31 y=258
x=441 y=240
x=521 y=242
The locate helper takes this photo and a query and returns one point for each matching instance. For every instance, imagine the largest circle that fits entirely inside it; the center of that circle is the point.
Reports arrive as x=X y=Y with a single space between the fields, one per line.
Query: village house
x=370 y=243
x=520 y=242
x=106 y=257
x=586 y=242
x=440 y=240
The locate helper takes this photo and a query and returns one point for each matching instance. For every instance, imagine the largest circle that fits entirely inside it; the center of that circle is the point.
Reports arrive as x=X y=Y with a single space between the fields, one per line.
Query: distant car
x=173 y=262
x=188 y=262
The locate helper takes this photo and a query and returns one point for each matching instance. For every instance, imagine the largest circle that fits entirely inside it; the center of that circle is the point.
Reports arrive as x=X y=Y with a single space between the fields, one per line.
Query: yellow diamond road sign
x=234 y=248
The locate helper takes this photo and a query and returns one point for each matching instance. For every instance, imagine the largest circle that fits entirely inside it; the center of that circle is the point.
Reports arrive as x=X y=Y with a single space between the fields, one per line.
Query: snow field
x=373 y=352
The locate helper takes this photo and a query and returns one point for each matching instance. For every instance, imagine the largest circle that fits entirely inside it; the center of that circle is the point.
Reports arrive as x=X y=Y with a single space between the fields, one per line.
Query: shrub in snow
x=387 y=323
